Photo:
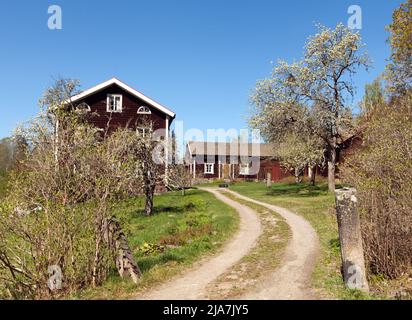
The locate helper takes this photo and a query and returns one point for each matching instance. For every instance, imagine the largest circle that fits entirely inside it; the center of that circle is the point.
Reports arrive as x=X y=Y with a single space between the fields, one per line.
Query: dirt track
x=192 y=284
x=290 y=281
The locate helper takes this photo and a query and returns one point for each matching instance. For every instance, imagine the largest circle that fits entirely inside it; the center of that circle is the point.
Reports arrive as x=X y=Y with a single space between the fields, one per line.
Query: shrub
x=382 y=173
x=59 y=204
x=3 y=183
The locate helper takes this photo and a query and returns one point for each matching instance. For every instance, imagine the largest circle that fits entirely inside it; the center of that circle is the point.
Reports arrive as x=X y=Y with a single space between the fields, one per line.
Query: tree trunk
x=297 y=176
x=148 y=209
x=331 y=169
x=312 y=175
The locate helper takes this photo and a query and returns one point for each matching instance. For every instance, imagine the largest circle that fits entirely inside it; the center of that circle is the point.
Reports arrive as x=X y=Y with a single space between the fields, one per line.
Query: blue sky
x=199 y=58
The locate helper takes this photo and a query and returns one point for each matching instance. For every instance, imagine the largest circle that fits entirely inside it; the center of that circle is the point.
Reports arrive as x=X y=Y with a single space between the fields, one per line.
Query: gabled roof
x=125 y=87
x=230 y=149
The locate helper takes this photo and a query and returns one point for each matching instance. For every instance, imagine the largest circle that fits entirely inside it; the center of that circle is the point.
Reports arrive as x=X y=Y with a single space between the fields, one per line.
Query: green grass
x=316 y=205
x=181 y=230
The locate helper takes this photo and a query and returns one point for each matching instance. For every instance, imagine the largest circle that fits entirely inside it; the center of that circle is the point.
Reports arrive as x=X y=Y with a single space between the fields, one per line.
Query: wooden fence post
x=268 y=179
x=353 y=262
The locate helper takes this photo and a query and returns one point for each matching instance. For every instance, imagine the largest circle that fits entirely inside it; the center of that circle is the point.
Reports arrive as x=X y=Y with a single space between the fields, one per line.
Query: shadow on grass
x=147 y=263
x=159 y=209
x=298 y=190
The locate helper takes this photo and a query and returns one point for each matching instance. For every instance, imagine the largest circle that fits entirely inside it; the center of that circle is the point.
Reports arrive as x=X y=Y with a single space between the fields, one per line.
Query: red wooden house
x=114 y=104
x=221 y=160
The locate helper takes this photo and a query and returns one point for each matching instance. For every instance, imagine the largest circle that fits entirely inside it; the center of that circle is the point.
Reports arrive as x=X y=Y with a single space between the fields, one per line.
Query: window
x=114 y=103
x=144 y=110
x=83 y=107
x=244 y=169
x=209 y=168
x=142 y=131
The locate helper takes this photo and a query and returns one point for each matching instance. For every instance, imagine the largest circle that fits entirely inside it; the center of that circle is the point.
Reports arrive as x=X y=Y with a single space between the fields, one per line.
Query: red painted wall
x=266 y=165
x=274 y=167
x=128 y=116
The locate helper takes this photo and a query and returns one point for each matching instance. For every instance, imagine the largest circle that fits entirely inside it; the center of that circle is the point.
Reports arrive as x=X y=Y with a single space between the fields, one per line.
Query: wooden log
x=117 y=242
x=353 y=262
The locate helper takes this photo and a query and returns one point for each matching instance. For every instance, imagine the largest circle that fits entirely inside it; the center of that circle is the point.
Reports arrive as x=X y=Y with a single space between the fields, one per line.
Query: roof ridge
x=124 y=86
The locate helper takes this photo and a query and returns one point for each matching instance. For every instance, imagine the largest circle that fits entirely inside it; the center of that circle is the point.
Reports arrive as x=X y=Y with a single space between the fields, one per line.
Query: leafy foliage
x=373 y=99
x=382 y=169
x=382 y=173
x=310 y=96
x=63 y=190
x=399 y=71
x=59 y=204
x=297 y=153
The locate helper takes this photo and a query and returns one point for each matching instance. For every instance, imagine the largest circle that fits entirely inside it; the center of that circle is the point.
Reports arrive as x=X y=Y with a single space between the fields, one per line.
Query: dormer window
x=143 y=110
x=114 y=103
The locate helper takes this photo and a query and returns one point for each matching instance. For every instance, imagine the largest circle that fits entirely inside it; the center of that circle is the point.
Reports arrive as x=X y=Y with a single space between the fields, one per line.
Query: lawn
x=181 y=230
x=316 y=205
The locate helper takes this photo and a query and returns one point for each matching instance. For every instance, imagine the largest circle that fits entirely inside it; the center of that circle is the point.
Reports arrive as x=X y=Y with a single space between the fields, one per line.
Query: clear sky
x=199 y=58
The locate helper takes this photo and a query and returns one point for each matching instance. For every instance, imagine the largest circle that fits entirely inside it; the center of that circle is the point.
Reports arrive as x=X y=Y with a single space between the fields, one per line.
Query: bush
x=57 y=212
x=3 y=183
x=382 y=173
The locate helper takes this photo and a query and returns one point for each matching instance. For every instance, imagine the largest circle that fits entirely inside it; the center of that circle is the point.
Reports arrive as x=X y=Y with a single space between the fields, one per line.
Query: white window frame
x=142 y=131
x=83 y=107
x=212 y=168
x=244 y=169
x=144 y=110
x=114 y=96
